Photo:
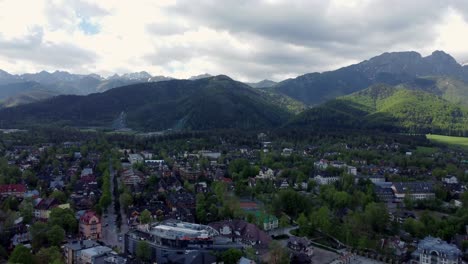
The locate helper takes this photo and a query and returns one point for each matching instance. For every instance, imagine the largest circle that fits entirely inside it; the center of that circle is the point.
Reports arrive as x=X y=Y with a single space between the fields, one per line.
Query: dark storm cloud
x=317 y=23
x=326 y=34
x=33 y=48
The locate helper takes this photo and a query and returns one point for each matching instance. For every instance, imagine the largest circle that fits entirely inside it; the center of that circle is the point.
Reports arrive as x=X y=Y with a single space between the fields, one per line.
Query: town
x=70 y=196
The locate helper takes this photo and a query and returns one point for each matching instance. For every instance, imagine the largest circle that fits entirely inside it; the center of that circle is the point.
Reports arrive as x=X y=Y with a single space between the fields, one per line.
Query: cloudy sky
x=248 y=40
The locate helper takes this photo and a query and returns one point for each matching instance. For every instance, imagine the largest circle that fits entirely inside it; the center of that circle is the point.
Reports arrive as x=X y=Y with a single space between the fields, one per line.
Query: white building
x=450 y=180
x=135 y=158
x=433 y=250
x=322 y=180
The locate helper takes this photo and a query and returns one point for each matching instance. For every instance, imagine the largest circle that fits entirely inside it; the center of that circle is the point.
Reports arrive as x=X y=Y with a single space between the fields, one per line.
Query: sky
x=245 y=39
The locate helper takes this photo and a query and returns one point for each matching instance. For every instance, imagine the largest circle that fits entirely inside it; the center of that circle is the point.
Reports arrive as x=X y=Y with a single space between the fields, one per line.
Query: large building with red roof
x=17 y=190
x=90 y=225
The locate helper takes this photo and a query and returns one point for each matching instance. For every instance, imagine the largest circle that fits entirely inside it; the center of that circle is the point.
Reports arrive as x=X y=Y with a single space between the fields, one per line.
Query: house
x=43 y=208
x=321 y=164
x=147 y=155
x=298 y=243
x=135 y=158
x=268 y=222
x=286 y=152
x=450 y=180
x=189 y=173
x=72 y=250
x=210 y=154
x=90 y=225
x=132 y=177
x=243 y=232
x=90 y=255
x=324 y=178
x=384 y=192
x=17 y=190
x=374 y=178
x=244 y=260
x=265 y=173
x=351 y=170
x=436 y=251
x=86 y=172
x=414 y=190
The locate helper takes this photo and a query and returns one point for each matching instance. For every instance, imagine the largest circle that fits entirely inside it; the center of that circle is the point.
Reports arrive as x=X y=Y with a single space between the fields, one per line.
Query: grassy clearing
x=449 y=140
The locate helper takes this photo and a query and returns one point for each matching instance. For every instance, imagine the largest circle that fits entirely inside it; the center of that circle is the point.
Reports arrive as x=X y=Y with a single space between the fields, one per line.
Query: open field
x=449 y=140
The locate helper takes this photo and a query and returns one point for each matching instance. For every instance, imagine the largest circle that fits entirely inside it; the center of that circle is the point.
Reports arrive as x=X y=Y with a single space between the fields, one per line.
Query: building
x=450 y=180
x=413 y=190
x=351 y=170
x=433 y=250
x=170 y=238
x=43 y=208
x=17 y=190
x=131 y=177
x=242 y=232
x=326 y=179
x=90 y=225
x=268 y=222
x=72 y=250
x=384 y=193
x=90 y=255
x=210 y=154
x=375 y=178
x=135 y=158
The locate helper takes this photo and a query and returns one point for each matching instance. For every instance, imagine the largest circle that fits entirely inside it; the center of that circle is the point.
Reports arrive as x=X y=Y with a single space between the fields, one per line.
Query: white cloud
x=248 y=40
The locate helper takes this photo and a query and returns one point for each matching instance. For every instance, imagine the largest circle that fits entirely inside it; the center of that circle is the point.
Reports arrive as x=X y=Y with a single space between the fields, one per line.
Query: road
x=110 y=231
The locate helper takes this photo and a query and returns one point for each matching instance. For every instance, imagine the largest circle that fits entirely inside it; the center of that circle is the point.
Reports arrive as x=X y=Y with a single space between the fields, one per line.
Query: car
x=120 y=238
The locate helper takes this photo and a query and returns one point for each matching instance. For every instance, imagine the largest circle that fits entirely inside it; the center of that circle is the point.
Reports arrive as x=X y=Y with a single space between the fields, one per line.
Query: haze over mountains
x=397 y=91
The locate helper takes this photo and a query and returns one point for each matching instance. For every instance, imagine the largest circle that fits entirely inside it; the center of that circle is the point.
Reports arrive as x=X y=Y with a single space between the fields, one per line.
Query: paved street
x=110 y=232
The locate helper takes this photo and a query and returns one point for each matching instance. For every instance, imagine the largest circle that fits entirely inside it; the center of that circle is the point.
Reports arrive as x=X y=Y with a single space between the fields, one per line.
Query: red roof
x=227 y=180
x=86 y=218
x=248 y=205
x=8 y=188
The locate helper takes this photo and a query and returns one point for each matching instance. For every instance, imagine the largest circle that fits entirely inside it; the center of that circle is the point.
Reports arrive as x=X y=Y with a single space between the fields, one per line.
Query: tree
x=55 y=235
x=143 y=251
x=126 y=199
x=321 y=219
x=283 y=221
x=376 y=216
x=21 y=254
x=200 y=208
x=278 y=255
x=145 y=217
x=231 y=256
x=59 y=195
x=39 y=235
x=303 y=223
x=64 y=218
x=48 y=255
x=26 y=210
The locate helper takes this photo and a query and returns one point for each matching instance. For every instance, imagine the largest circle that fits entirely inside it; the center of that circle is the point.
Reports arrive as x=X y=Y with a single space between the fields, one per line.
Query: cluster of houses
x=170 y=199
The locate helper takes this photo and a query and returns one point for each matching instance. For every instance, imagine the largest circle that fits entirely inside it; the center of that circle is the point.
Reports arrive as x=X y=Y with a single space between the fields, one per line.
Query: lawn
x=448 y=140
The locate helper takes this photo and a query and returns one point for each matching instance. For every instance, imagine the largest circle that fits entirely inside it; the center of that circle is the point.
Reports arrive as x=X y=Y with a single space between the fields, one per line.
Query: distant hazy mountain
x=389 y=108
x=262 y=84
x=26 y=88
x=390 y=68
x=208 y=103
x=201 y=76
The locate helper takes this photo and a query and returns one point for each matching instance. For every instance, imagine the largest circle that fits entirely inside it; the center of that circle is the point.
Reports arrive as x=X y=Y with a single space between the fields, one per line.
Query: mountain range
x=208 y=103
x=398 y=91
x=390 y=68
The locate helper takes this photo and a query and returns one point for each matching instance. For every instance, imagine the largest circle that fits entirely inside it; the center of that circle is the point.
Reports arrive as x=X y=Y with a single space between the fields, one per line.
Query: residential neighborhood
x=109 y=201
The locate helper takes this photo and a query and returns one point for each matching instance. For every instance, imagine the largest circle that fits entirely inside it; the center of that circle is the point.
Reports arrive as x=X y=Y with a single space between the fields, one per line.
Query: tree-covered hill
x=216 y=102
x=388 y=108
